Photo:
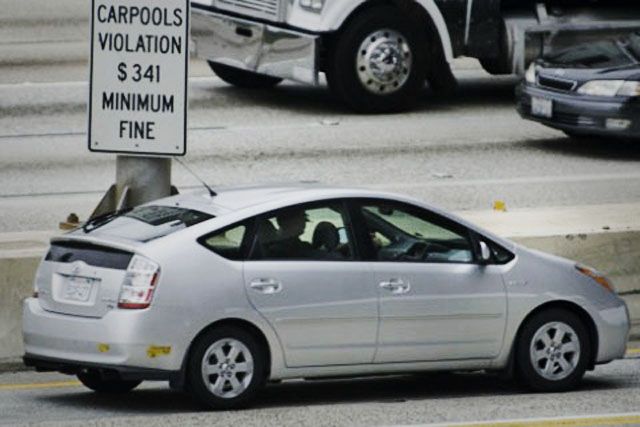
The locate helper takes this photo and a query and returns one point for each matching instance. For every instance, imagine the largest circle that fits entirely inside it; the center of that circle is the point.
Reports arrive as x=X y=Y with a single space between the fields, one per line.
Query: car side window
x=404 y=233
x=307 y=232
x=227 y=243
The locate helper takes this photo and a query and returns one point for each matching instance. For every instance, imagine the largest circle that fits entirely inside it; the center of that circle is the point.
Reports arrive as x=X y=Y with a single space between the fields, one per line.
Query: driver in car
x=291 y=225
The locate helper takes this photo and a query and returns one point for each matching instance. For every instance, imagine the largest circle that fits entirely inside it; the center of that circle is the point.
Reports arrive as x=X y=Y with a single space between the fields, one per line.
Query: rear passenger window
x=315 y=232
x=227 y=243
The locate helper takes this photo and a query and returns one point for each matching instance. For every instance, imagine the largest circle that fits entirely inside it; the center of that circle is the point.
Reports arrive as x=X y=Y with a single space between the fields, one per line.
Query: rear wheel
x=243 y=78
x=226 y=369
x=553 y=351
x=93 y=380
x=378 y=64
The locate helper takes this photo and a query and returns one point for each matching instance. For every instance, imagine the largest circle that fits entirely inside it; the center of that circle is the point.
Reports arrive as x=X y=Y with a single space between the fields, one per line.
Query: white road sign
x=139 y=69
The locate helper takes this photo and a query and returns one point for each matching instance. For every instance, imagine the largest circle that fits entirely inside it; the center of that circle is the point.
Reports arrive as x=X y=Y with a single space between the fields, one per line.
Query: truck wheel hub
x=384 y=62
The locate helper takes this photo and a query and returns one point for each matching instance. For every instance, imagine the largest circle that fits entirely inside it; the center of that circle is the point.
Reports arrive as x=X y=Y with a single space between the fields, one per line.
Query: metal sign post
x=138 y=94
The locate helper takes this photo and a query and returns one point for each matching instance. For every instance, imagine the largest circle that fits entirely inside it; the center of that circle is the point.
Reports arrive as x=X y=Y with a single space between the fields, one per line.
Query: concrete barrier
x=615 y=252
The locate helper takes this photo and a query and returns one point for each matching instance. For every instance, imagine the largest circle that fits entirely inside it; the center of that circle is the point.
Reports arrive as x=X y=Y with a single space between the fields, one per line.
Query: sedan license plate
x=78 y=289
x=542 y=107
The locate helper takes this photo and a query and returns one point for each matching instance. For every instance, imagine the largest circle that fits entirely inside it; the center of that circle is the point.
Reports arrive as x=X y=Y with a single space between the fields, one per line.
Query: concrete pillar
x=145 y=178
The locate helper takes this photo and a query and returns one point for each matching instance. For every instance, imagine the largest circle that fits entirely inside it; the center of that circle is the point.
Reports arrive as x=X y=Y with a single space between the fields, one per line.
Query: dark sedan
x=588 y=90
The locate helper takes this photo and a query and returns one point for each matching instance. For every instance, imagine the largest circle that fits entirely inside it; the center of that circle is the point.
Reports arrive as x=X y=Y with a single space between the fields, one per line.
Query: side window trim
x=357 y=204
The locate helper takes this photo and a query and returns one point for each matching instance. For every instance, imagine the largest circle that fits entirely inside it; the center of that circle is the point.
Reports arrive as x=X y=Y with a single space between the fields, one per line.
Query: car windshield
x=146 y=223
x=605 y=54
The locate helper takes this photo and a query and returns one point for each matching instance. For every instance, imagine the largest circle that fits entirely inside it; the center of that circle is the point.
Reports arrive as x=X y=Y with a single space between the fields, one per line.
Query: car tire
x=226 y=369
x=379 y=63
x=553 y=351
x=93 y=380
x=243 y=78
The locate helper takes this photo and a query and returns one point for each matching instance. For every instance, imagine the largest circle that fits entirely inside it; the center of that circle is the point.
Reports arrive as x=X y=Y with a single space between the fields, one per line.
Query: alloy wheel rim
x=227 y=368
x=384 y=62
x=555 y=351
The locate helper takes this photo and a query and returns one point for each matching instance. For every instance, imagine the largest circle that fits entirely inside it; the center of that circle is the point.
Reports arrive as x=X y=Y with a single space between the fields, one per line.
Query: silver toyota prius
x=221 y=293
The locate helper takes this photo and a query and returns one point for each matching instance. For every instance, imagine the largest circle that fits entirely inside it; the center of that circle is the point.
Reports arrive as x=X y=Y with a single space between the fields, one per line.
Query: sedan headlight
x=630 y=89
x=531 y=75
x=312 y=5
x=598 y=277
x=610 y=88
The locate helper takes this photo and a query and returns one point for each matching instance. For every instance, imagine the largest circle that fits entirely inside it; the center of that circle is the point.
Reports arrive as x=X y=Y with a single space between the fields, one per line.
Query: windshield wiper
x=101 y=220
x=629 y=53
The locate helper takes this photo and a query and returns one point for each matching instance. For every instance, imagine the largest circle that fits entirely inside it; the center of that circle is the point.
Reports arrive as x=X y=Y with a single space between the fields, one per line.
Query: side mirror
x=485 y=253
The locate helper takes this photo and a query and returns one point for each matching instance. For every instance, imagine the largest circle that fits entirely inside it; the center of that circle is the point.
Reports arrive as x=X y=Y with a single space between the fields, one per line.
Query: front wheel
x=553 y=351
x=226 y=369
x=243 y=78
x=93 y=380
x=378 y=64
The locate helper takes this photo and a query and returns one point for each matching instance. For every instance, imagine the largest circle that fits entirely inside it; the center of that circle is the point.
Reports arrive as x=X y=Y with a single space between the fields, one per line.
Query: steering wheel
x=417 y=251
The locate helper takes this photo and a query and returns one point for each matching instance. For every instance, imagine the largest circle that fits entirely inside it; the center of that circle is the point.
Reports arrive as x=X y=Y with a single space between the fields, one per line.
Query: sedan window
x=227 y=243
x=399 y=233
x=312 y=232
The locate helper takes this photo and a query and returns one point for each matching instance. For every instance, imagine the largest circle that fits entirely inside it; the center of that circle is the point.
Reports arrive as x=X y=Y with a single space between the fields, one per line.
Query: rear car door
x=303 y=277
x=436 y=301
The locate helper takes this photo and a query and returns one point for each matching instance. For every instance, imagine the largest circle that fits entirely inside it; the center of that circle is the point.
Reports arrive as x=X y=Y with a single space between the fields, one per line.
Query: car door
x=304 y=279
x=436 y=301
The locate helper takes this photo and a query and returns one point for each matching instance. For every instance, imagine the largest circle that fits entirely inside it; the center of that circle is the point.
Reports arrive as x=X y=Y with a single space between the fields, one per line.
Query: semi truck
x=376 y=55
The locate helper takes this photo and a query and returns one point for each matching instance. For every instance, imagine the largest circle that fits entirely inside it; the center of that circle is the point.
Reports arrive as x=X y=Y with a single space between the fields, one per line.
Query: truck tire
x=378 y=64
x=243 y=78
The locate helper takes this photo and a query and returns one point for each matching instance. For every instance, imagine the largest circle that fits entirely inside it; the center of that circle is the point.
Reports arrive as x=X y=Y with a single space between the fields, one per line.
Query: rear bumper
x=126 y=339
x=49 y=364
x=572 y=113
x=255 y=46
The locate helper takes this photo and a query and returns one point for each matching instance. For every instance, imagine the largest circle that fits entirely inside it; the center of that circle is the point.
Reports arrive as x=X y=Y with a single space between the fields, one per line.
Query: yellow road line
x=34 y=386
x=590 y=421
x=633 y=351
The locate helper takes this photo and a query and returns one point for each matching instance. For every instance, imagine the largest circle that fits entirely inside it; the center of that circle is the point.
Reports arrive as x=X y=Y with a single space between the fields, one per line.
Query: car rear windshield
x=146 y=223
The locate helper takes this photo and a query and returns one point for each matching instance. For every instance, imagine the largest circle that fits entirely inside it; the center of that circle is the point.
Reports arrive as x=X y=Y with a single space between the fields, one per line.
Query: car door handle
x=266 y=286
x=396 y=286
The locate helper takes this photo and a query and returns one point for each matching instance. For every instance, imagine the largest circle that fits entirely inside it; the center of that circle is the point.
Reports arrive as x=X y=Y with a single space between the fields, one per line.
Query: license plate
x=78 y=289
x=542 y=107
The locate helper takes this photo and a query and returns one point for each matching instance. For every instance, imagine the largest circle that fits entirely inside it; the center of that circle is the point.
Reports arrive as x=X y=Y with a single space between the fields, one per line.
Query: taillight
x=139 y=283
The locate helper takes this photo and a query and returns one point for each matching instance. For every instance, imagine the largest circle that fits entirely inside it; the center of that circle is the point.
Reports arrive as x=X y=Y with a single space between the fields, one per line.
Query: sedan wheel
x=553 y=351
x=226 y=368
x=93 y=380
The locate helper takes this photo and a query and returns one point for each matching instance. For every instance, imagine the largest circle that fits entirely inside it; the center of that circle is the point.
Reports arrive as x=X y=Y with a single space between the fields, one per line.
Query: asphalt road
x=32 y=399
x=461 y=152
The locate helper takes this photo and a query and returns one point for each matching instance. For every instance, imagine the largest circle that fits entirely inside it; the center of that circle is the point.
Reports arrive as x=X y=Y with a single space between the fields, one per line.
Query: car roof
x=231 y=204
x=237 y=198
